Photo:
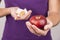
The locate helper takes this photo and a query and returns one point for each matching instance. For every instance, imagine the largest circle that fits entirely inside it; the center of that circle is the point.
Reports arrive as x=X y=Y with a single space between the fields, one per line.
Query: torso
x=17 y=30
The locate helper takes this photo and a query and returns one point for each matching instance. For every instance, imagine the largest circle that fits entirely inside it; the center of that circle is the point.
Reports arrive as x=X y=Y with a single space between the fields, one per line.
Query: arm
x=12 y=12
x=53 y=13
x=53 y=17
x=4 y=11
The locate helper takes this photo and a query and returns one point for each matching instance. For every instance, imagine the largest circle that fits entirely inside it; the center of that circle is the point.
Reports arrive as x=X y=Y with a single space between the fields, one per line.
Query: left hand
x=33 y=29
x=26 y=16
x=16 y=17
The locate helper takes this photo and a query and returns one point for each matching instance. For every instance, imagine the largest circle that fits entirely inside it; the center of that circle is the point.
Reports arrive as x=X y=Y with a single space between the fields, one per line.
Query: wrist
x=4 y=11
x=8 y=10
x=54 y=17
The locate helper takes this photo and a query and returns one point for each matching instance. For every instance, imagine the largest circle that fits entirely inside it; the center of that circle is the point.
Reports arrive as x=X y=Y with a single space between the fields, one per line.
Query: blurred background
x=55 y=32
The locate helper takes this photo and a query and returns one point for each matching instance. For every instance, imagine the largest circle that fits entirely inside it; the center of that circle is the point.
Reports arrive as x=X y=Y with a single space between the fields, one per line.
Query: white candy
x=20 y=10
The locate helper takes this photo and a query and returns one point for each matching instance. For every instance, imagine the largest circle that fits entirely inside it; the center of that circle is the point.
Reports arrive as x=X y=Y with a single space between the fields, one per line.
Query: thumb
x=49 y=25
x=27 y=15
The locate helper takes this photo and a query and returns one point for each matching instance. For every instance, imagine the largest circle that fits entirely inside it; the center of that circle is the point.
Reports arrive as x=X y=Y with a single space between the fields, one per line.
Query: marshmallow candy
x=21 y=12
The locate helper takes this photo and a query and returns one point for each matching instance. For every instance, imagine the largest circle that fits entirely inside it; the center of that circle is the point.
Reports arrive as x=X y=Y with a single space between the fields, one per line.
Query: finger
x=49 y=25
x=28 y=14
x=30 y=28
x=28 y=24
x=39 y=31
x=17 y=18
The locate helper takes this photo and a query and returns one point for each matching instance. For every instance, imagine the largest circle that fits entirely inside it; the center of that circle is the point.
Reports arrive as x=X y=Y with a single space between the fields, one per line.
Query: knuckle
x=38 y=32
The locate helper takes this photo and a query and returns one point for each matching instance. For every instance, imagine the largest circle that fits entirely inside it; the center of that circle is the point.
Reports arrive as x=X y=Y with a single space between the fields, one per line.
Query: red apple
x=38 y=20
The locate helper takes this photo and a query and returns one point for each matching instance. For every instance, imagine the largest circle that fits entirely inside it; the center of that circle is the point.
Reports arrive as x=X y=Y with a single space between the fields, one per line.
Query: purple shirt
x=17 y=30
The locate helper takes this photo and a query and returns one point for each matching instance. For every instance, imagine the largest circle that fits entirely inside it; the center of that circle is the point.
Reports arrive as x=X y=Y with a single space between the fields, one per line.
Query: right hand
x=37 y=31
x=14 y=14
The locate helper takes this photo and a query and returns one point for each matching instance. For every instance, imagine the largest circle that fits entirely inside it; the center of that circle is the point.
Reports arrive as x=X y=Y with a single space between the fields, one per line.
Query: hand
x=26 y=16
x=16 y=17
x=33 y=29
x=49 y=24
